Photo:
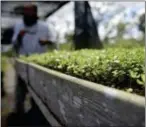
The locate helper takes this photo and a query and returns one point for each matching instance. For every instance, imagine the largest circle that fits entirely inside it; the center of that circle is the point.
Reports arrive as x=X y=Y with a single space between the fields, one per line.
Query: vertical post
x=86 y=34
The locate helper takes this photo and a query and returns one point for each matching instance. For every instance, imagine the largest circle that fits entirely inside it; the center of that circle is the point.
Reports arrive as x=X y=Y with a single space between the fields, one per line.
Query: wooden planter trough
x=75 y=102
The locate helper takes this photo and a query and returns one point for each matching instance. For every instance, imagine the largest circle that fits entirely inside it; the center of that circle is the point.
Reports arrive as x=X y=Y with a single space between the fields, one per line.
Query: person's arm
x=44 y=42
x=14 y=38
x=18 y=42
x=48 y=37
x=17 y=37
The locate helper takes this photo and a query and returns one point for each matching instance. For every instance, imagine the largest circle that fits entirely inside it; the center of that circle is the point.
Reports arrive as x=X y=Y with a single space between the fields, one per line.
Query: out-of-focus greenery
x=3 y=63
x=9 y=53
x=4 y=57
x=141 y=24
x=129 y=44
x=66 y=46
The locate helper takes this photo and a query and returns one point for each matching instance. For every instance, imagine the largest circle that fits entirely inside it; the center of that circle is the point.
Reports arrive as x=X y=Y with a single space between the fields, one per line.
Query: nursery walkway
x=7 y=103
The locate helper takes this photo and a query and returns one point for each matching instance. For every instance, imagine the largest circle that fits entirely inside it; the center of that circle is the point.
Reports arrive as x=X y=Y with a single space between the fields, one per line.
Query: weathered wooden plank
x=78 y=102
x=21 y=70
x=44 y=109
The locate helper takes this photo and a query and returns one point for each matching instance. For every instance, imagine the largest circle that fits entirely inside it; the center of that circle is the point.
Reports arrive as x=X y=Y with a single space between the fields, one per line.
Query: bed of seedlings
x=119 y=68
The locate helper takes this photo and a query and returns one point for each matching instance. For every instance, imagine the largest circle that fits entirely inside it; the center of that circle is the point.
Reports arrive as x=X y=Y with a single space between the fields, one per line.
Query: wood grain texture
x=21 y=70
x=79 y=103
x=44 y=109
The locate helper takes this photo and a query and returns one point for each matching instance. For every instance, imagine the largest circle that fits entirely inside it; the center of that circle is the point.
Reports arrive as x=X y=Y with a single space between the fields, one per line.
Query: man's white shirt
x=30 y=41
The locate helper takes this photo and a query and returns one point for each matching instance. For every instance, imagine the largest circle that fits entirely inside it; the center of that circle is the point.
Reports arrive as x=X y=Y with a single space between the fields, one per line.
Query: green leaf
x=140 y=82
x=143 y=78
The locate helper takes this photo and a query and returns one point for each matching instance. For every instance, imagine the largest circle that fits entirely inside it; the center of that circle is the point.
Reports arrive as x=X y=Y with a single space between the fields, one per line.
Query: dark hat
x=30 y=9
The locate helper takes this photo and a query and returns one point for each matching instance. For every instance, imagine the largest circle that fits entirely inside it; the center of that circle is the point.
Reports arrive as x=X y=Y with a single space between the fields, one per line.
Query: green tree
x=141 y=24
x=120 y=29
x=69 y=37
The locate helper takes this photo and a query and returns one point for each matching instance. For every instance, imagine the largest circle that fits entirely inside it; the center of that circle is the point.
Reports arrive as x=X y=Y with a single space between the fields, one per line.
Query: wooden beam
x=54 y=10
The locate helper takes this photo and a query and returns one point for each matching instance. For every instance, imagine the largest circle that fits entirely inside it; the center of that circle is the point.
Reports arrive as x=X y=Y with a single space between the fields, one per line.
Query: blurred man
x=30 y=36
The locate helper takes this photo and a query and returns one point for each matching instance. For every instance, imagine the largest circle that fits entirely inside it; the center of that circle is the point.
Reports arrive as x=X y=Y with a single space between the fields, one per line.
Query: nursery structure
x=70 y=100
